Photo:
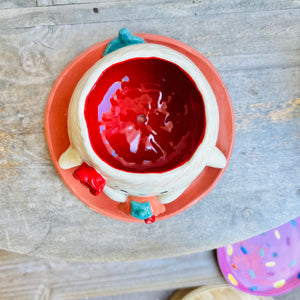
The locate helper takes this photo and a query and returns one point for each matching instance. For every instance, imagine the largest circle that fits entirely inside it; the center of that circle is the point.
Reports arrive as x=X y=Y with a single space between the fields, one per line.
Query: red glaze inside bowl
x=145 y=115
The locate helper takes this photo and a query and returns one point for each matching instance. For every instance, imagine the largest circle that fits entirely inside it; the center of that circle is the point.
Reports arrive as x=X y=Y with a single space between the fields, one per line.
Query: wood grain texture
x=23 y=277
x=132 y=10
x=6 y=4
x=255 y=47
x=95 y=2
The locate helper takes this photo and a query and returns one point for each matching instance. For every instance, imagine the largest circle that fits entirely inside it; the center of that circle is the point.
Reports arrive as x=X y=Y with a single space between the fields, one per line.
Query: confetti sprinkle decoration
x=261 y=252
x=229 y=250
x=232 y=279
x=292 y=263
x=294 y=223
x=252 y=273
x=264 y=265
x=270 y=264
x=279 y=283
x=244 y=250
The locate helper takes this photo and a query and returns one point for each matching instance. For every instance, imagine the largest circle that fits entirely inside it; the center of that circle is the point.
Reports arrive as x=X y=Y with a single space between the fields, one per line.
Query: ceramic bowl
x=143 y=124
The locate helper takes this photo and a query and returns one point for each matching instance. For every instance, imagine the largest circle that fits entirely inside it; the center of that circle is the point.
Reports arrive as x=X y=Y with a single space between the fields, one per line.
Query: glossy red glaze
x=150 y=220
x=89 y=177
x=145 y=115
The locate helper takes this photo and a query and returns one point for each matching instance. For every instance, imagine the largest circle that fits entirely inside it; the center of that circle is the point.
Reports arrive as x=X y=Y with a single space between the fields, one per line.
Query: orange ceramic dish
x=58 y=141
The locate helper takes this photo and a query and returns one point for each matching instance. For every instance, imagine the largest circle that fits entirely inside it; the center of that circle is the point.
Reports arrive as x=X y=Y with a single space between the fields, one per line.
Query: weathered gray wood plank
x=25 y=277
x=129 y=11
x=94 y=2
x=157 y=295
x=6 y=4
x=38 y=55
x=263 y=4
x=293 y=295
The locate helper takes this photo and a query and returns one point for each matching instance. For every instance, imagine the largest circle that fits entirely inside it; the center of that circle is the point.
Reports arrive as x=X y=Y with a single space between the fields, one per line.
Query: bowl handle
x=70 y=159
x=216 y=159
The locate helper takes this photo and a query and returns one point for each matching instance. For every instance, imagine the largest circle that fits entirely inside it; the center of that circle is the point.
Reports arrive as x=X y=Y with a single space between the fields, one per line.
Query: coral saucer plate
x=58 y=141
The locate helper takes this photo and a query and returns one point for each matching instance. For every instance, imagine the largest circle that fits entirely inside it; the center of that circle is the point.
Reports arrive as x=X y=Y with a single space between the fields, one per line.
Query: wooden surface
x=255 y=47
x=23 y=277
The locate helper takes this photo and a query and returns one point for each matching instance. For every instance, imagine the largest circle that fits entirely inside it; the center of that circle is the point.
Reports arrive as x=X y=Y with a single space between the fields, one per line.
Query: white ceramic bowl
x=165 y=186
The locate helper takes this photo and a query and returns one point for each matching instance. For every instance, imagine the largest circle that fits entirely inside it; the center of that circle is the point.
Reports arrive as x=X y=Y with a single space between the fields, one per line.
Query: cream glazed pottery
x=143 y=192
